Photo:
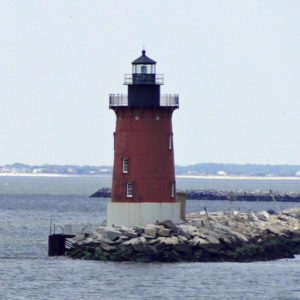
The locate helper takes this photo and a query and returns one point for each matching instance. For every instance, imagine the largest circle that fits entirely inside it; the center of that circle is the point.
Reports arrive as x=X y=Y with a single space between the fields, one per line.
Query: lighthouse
x=143 y=183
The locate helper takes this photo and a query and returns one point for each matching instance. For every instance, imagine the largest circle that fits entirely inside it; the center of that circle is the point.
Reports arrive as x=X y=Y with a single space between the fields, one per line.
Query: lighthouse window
x=144 y=69
x=125 y=164
x=129 y=189
x=157 y=117
x=173 y=190
x=170 y=142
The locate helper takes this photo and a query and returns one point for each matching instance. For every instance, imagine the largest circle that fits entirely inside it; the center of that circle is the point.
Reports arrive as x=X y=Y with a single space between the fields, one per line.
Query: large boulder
x=197 y=241
x=137 y=243
x=213 y=240
x=151 y=231
x=186 y=229
x=111 y=233
x=130 y=233
x=107 y=247
x=105 y=240
x=164 y=232
x=168 y=224
x=171 y=241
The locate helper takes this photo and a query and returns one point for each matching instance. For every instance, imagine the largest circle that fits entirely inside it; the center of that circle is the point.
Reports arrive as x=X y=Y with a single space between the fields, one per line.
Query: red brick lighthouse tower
x=143 y=185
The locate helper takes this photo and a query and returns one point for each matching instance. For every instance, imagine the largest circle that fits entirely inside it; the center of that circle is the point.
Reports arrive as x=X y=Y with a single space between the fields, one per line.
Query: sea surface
x=27 y=204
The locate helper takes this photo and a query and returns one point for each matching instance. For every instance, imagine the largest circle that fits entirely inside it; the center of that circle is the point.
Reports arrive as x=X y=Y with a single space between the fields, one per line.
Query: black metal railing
x=166 y=100
x=169 y=100
x=116 y=100
x=144 y=79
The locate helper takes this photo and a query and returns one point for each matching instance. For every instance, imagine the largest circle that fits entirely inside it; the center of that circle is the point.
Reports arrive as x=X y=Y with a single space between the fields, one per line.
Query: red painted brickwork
x=142 y=135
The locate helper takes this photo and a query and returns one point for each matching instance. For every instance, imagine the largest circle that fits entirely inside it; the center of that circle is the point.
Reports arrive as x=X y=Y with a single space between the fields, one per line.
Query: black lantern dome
x=143 y=70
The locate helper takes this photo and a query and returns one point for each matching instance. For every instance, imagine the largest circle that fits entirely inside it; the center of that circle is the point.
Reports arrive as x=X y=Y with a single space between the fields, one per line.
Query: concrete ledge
x=133 y=214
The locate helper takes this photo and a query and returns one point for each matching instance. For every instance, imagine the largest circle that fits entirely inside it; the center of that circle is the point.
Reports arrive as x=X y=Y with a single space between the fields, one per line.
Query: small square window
x=125 y=165
x=129 y=186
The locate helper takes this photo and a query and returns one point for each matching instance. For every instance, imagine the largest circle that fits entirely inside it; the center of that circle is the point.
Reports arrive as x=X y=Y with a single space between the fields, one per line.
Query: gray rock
x=131 y=233
x=111 y=233
x=226 y=240
x=252 y=216
x=105 y=240
x=147 y=237
x=197 y=241
x=198 y=234
x=224 y=231
x=293 y=212
x=184 y=248
x=95 y=235
x=240 y=236
x=171 y=240
x=161 y=240
x=151 y=231
x=181 y=232
x=264 y=216
x=138 y=243
x=212 y=240
x=168 y=224
x=164 y=232
x=139 y=229
x=186 y=228
x=182 y=239
x=107 y=247
x=207 y=231
x=153 y=241
x=273 y=229
x=135 y=241
x=125 y=228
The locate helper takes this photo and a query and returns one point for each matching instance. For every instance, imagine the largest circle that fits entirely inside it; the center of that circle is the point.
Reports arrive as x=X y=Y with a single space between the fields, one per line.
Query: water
x=26 y=272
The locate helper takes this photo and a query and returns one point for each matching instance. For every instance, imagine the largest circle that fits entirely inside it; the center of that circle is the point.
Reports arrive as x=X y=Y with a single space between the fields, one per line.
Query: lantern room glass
x=143 y=69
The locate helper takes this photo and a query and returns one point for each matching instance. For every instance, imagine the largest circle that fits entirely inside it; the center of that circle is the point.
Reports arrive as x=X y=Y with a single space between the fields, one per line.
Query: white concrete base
x=132 y=214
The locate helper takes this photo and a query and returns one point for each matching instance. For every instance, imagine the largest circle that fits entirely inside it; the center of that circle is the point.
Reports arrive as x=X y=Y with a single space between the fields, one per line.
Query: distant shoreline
x=223 y=177
x=37 y=175
x=232 y=177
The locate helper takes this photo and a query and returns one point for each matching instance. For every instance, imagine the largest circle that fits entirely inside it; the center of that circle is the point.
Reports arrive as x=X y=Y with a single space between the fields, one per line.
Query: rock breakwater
x=217 y=236
x=223 y=195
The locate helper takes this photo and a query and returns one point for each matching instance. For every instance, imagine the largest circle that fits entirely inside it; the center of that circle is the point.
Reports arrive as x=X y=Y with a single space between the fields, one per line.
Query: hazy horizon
x=235 y=64
x=180 y=165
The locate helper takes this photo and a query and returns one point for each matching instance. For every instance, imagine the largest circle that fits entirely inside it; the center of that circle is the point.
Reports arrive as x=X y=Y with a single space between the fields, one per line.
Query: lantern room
x=143 y=70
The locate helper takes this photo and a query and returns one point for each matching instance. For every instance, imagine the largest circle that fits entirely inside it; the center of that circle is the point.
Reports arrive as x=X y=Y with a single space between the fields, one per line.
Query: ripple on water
x=27 y=273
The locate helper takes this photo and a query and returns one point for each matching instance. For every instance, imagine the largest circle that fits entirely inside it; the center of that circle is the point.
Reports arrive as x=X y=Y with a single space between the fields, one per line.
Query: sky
x=235 y=65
